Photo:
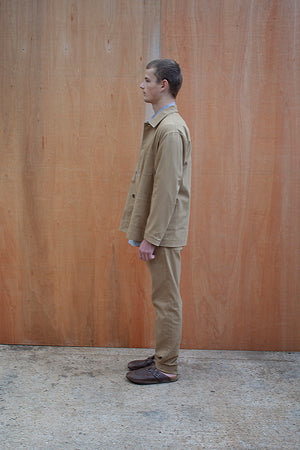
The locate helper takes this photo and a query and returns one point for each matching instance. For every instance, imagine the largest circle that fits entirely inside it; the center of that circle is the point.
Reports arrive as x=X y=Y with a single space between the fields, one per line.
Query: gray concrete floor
x=78 y=398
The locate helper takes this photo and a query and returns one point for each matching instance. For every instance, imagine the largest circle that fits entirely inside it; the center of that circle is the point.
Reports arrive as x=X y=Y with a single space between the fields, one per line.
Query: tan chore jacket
x=158 y=203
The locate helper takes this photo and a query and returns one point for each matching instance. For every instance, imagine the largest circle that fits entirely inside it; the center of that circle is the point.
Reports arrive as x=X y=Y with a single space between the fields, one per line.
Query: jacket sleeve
x=168 y=167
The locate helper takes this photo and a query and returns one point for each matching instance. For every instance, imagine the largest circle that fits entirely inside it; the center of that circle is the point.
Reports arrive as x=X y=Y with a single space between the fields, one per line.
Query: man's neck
x=162 y=103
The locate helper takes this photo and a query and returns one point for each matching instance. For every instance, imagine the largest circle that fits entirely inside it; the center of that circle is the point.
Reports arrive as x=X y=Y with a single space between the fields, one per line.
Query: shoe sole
x=170 y=380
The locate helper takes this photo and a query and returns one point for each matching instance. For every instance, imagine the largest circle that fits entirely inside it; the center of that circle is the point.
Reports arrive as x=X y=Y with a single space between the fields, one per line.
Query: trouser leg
x=166 y=299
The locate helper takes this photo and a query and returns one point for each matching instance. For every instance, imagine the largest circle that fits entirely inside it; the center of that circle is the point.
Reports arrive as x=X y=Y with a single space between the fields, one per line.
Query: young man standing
x=156 y=215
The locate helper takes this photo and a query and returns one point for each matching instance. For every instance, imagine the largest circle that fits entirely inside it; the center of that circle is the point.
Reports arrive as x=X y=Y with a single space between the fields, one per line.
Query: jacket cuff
x=152 y=240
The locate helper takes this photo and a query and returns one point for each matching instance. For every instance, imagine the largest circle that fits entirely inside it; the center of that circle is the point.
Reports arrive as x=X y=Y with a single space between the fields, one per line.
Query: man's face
x=151 y=87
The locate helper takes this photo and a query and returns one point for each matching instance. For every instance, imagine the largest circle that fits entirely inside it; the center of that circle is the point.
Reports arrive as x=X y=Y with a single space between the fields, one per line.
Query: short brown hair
x=167 y=69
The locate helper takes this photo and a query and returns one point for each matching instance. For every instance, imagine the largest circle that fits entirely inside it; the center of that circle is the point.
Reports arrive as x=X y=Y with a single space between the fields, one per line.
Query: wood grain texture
x=71 y=120
x=73 y=113
x=241 y=100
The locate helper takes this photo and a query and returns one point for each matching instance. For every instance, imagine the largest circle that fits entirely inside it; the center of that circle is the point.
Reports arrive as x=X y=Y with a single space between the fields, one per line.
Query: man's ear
x=164 y=85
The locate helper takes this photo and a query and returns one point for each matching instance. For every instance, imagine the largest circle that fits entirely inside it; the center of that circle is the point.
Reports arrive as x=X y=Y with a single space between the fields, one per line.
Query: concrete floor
x=78 y=398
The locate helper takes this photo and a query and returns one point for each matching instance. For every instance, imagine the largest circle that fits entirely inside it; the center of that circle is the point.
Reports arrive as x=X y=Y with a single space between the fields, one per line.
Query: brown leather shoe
x=149 y=375
x=141 y=363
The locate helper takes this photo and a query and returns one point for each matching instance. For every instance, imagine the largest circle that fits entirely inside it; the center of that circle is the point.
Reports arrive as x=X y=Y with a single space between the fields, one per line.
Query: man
x=156 y=215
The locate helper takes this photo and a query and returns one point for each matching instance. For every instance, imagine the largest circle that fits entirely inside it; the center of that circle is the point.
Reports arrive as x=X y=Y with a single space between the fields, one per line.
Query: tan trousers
x=166 y=299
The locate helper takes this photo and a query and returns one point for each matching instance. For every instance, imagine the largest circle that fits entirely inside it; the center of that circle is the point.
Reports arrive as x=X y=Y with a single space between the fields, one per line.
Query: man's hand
x=146 y=251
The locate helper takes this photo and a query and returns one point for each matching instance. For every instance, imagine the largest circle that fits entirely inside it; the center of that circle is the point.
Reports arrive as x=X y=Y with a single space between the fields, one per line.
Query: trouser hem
x=166 y=369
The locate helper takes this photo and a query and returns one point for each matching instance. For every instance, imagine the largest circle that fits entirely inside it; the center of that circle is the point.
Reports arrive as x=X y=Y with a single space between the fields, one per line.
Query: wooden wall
x=71 y=120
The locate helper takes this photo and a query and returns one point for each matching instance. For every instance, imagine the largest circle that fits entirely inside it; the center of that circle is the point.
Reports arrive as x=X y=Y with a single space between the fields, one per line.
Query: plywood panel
x=241 y=100
x=70 y=75
x=71 y=120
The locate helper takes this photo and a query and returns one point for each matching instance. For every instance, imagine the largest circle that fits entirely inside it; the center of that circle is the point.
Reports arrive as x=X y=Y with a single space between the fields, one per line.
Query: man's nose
x=142 y=85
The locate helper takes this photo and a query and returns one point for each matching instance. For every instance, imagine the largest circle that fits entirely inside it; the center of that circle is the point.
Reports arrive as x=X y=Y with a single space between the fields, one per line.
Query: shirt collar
x=163 y=112
x=164 y=107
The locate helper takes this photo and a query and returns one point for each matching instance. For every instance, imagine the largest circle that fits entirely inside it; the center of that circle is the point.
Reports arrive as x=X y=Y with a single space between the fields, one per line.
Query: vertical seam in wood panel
x=159 y=32
x=152 y=37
